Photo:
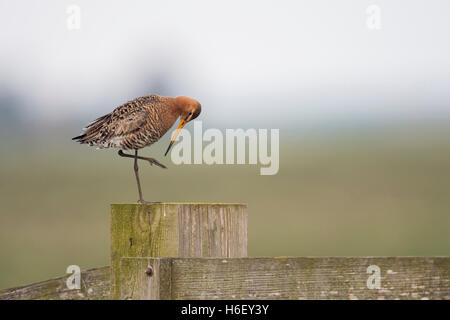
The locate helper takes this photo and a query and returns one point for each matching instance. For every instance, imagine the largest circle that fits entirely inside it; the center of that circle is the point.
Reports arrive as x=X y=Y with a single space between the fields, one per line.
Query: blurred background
x=363 y=114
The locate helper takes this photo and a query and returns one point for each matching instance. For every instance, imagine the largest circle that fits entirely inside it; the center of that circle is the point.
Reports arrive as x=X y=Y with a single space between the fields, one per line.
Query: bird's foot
x=143 y=201
x=151 y=160
x=154 y=161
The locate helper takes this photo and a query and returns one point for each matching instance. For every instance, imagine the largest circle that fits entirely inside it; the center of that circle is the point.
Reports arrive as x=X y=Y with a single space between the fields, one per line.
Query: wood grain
x=293 y=278
x=95 y=284
x=154 y=286
x=176 y=230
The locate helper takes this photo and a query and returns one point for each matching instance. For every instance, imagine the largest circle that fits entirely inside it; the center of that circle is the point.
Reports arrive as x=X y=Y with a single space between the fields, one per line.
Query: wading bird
x=140 y=123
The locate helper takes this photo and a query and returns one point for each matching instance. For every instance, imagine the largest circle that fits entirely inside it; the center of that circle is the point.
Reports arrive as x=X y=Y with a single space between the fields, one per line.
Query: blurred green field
x=385 y=192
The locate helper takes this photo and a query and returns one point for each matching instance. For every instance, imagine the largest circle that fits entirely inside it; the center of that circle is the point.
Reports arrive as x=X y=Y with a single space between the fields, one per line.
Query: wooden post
x=176 y=230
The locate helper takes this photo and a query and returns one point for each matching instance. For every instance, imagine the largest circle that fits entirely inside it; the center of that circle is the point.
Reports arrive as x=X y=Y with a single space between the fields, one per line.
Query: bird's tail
x=79 y=138
x=91 y=131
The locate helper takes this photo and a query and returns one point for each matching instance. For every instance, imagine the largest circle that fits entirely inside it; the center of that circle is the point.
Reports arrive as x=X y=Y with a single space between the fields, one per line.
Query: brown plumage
x=140 y=123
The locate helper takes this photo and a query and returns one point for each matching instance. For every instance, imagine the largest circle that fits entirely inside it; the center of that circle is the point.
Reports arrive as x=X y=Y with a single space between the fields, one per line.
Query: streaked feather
x=133 y=125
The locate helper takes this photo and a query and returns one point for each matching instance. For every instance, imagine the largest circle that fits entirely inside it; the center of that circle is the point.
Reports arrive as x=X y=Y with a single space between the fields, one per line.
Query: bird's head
x=188 y=109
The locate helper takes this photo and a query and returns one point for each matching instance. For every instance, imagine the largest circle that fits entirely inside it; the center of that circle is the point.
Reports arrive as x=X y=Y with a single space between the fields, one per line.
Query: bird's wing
x=124 y=120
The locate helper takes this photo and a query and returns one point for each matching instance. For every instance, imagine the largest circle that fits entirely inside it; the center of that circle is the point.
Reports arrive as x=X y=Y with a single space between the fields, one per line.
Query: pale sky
x=256 y=58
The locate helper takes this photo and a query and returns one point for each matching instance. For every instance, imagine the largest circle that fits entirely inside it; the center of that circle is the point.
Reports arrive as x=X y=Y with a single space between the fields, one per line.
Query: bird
x=139 y=123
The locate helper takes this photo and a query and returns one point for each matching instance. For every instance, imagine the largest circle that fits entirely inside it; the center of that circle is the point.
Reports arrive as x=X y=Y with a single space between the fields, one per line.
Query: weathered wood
x=95 y=284
x=176 y=230
x=151 y=281
x=287 y=278
x=255 y=278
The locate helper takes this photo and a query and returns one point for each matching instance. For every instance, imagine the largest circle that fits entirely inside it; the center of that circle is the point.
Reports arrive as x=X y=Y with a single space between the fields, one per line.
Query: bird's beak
x=180 y=126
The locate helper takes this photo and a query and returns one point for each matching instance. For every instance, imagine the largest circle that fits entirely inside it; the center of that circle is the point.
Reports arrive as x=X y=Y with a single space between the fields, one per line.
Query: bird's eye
x=190 y=113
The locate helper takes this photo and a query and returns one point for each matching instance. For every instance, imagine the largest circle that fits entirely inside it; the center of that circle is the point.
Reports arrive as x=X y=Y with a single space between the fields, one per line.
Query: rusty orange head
x=189 y=109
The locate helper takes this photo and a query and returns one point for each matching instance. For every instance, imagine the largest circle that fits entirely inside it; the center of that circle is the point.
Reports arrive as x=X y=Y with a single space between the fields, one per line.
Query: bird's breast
x=159 y=122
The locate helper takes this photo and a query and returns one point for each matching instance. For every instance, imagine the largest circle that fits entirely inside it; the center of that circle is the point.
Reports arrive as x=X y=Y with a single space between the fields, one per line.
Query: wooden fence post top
x=187 y=203
x=176 y=229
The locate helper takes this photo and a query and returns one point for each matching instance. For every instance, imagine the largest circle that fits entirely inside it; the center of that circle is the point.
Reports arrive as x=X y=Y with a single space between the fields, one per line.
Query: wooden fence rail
x=256 y=278
x=95 y=285
x=286 y=278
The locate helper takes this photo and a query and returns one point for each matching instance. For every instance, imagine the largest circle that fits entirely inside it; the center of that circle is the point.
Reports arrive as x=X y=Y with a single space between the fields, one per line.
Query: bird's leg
x=136 y=169
x=136 y=172
x=151 y=160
